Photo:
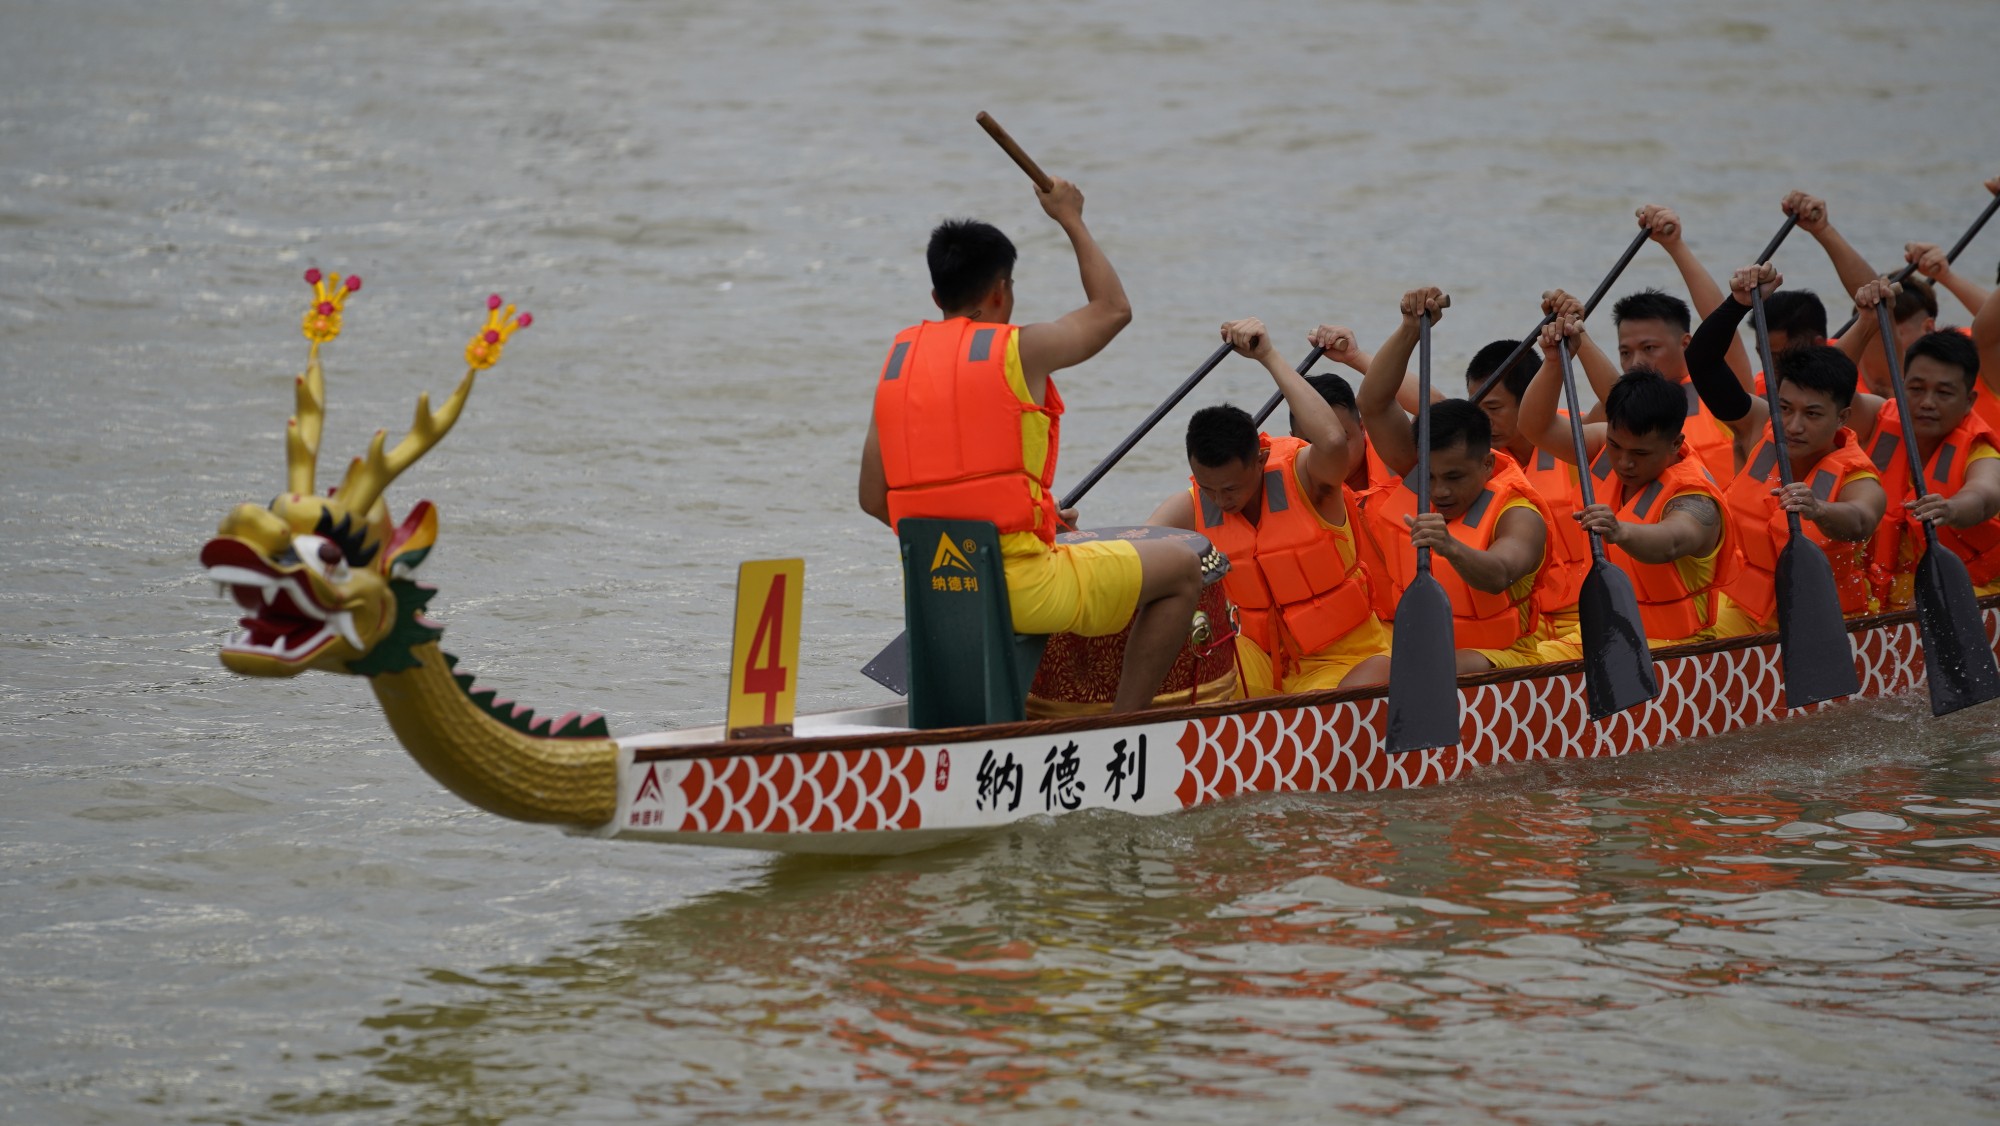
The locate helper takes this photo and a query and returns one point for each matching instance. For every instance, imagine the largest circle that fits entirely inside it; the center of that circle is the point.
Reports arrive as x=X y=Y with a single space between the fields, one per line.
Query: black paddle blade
x=1819 y=661
x=1423 y=671
x=1617 y=665
x=891 y=667
x=1958 y=661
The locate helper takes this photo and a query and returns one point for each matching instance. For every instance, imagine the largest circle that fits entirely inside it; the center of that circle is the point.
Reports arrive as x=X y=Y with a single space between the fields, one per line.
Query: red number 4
x=768 y=680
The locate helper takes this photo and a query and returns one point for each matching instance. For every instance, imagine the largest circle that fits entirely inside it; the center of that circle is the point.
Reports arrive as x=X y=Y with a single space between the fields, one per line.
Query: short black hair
x=1916 y=299
x=1645 y=402
x=1217 y=436
x=1947 y=346
x=1798 y=313
x=1487 y=359
x=1457 y=422
x=1333 y=389
x=966 y=257
x=1819 y=367
x=1653 y=305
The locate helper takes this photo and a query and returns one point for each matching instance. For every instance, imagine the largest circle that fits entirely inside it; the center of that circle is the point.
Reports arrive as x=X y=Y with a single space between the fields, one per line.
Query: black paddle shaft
x=1812 y=634
x=1590 y=306
x=1423 y=664
x=1951 y=255
x=1582 y=451
x=1277 y=397
x=1095 y=475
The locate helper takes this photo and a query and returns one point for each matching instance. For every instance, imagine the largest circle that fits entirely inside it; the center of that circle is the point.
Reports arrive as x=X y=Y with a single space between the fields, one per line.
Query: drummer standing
x=1277 y=508
x=1488 y=527
x=966 y=427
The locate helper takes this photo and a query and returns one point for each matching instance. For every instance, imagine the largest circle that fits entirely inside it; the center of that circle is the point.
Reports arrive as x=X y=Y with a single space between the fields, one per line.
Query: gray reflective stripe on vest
x=982 y=346
x=1211 y=513
x=1477 y=512
x=1274 y=491
x=1647 y=496
x=1942 y=474
x=1544 y=460
x=896 y=359
x=1884 y=451
x=1693 y=397
x=1410 y=480
x=1767 y=459
x=1601 y=468
x=1823 y=483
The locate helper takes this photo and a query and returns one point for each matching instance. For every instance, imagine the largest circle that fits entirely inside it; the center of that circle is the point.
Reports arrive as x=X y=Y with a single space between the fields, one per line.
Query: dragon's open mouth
x=286 y=622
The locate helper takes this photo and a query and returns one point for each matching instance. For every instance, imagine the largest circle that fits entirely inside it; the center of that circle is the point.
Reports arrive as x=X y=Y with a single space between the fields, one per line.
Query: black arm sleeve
x=1707 y=368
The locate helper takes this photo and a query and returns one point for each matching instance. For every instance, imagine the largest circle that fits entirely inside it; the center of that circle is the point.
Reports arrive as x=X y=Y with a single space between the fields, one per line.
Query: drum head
x=1214 y=564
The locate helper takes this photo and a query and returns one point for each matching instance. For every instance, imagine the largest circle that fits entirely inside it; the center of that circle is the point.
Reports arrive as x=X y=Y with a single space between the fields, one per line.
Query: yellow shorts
x=1324 y=669
x=1734 y=621
x=1568 y=644
x=1527 y=651
x=1088 y=589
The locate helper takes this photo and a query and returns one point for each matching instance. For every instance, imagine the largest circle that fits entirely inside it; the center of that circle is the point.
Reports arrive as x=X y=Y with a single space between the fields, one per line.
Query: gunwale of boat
x=670 y=746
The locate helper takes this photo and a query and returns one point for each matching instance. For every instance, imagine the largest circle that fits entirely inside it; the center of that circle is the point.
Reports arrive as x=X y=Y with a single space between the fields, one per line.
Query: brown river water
x=232 y=901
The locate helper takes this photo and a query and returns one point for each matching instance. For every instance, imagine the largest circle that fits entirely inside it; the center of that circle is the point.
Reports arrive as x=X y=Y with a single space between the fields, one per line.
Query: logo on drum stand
x=949 y=557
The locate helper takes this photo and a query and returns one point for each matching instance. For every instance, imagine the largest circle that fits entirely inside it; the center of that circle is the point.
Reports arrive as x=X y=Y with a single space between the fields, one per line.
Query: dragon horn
x=320 y=324
x=368 y=477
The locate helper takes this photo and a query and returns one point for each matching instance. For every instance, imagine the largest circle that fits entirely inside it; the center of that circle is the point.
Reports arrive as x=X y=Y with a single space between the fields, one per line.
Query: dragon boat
x=327 y=582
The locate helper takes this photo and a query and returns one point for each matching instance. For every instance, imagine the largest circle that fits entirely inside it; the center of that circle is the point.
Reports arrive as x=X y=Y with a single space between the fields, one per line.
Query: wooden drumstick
x=1014 y=150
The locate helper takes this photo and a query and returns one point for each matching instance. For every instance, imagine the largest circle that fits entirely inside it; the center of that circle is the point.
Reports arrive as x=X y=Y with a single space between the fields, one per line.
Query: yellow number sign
x=764 y=662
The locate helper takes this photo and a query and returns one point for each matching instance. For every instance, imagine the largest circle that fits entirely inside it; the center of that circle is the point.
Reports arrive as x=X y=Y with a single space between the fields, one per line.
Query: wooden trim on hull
x=896 y=792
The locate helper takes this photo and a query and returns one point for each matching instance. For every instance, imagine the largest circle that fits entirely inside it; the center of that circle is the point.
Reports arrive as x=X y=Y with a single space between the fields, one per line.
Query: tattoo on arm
x=1703 y=509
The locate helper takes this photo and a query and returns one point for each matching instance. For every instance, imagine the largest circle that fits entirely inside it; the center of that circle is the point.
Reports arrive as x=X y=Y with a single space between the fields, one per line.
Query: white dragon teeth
x=344 y=622
x=270 y=593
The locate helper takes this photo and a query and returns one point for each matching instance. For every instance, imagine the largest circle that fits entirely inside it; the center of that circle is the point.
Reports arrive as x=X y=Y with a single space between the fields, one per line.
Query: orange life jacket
x=1668 y=608
x=1288 y=565
x=1762 y=528
x=1713 y=441
x=1480 y=620
x=1569 y=545
x=1944 y=474
x=954 y=434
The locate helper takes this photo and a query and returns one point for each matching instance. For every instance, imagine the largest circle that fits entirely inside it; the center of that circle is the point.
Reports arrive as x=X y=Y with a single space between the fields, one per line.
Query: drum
x=1079 y=675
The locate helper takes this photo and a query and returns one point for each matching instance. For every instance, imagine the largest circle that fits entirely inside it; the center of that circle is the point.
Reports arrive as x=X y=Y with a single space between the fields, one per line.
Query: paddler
x=1277 y=507
x=1366 y=473
x=1959 y=452
x=965 y=427
x=1488 y=529
x=1654 y=328
x=1836 y=489
x=1658 y=510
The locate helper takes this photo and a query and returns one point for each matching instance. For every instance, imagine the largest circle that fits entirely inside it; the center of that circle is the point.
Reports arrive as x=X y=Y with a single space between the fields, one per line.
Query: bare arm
x=1690 y=528
x=1851 y=518
x=1853 y=269
x=1976 y=502
x=1518 y=542
x=1323 y=463
x=1540 y=418
x=1376 y=400
x=874 y=486
x=1176 y=511
x=1986 y=337
x=1055 y=345
x=1931 y=263
x=1703 y=293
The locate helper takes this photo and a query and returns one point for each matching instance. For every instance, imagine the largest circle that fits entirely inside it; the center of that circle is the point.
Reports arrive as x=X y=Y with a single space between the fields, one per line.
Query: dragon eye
x=321 y=556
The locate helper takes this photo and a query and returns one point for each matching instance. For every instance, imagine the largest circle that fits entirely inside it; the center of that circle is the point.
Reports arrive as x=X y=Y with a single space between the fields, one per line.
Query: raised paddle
x=1597 y=297
x=1958 y=661
x=1951 y=255
x=1423 y=662
x=1819 y=663
x=1617 y=665
x=1005 y=141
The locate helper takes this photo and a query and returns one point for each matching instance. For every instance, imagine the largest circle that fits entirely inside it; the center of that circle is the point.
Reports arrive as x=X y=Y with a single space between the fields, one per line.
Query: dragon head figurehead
x=324 y=580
